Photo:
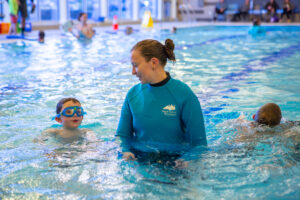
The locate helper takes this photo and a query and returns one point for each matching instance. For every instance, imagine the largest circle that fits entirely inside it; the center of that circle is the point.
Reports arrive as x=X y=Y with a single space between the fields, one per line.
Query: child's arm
x=90 y=135
x=242 y=119
x=244 y=129
x=91 y=31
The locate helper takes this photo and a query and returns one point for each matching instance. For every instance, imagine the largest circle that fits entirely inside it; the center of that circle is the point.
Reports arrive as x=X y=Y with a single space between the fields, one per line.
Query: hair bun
x=169 y=44
x=169 y=47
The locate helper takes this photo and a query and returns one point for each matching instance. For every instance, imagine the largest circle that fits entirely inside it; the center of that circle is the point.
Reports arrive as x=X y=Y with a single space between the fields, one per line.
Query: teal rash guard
x=165 y=118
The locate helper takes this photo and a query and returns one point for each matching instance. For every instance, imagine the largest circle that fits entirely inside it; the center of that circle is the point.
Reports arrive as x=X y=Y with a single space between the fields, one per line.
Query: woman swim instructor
x=160 y=114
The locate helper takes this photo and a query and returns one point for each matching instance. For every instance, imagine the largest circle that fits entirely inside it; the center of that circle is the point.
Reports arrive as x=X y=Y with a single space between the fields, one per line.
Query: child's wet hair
x=41 y=34
x=128 y=30
x=256 y=22
x=154 y=49
x=63 y=101
x=269 y=114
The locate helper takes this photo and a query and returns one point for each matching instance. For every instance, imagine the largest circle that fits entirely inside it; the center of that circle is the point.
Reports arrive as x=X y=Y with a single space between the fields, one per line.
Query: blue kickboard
x=20 y=37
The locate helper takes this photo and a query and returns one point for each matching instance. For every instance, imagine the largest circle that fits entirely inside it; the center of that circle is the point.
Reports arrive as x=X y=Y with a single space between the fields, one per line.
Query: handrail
x=186 y=6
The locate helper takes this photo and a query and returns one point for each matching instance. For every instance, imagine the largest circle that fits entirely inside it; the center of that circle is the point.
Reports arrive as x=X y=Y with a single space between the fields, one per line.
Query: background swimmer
x=257 y=22
x=85 y=30
x=174 y=30
x=128 y=30
x=256 y=29
x=41 y=36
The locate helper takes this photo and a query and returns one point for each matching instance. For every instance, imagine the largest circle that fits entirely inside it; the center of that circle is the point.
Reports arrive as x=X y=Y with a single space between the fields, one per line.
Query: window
x=74 y=8
x=120 y=8
x=167 y=9
x=46 y=10
x=200 y=3
x=93 y=9
x=148 y=5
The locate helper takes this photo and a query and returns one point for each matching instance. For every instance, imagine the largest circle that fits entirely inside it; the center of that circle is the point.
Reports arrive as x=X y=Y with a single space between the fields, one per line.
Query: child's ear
x=58 y=119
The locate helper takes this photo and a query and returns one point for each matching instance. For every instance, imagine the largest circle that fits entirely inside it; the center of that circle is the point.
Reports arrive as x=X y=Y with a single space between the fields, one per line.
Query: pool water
x=231 y=72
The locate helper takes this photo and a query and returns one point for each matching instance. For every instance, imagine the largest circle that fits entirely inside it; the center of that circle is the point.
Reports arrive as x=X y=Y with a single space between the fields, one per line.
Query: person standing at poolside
x=13 y=10
x=243 y=12
x=287 y=10
x=24 y=13
x=160 y=114
x=271 y=8
x=220 y=9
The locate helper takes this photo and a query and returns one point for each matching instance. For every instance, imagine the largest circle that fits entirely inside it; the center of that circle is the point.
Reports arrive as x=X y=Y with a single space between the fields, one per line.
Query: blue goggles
x=71 y=111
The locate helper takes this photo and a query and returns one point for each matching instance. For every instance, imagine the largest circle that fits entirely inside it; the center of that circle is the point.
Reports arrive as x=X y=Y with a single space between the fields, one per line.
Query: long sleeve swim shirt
x=165 y=118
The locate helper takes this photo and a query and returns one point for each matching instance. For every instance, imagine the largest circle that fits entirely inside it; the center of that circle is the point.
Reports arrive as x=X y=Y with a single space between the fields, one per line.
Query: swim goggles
x=70 y=112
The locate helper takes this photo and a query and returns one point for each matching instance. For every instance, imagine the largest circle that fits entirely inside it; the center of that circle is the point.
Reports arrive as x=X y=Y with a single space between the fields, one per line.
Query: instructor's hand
x=128 y=156
x=181 y=164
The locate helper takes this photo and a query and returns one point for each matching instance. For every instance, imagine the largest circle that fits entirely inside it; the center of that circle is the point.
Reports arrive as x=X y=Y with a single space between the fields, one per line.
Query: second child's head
x=69 y=113
x=269 y=114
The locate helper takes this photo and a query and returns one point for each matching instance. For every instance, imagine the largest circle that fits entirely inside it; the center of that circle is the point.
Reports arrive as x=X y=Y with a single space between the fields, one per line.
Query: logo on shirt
x=169 y=110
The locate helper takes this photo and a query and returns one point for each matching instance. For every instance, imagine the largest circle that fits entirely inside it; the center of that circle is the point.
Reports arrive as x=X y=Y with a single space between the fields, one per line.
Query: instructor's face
x=140 y=67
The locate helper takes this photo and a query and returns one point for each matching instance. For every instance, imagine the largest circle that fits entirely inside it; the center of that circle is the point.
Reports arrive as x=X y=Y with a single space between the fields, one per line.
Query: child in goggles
x=71 y=111
x=70 y=114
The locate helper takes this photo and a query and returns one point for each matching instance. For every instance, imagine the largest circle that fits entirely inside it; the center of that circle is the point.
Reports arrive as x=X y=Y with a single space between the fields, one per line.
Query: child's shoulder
x=285 y=125
x=51 y=131
x=47 y=134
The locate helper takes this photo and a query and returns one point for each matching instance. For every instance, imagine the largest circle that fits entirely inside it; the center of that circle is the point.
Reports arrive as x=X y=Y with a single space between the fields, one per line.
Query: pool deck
x=157 y=26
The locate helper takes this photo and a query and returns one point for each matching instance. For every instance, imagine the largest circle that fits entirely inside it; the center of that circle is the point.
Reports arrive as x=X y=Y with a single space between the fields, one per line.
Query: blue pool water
x=231 y=72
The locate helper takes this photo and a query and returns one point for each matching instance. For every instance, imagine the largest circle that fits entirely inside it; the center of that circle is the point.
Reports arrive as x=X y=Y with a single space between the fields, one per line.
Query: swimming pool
x=230 y=71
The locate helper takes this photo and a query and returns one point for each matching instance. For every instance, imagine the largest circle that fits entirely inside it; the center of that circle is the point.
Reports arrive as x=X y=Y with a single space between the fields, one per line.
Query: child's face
x=255 y=116
x=70 y=122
